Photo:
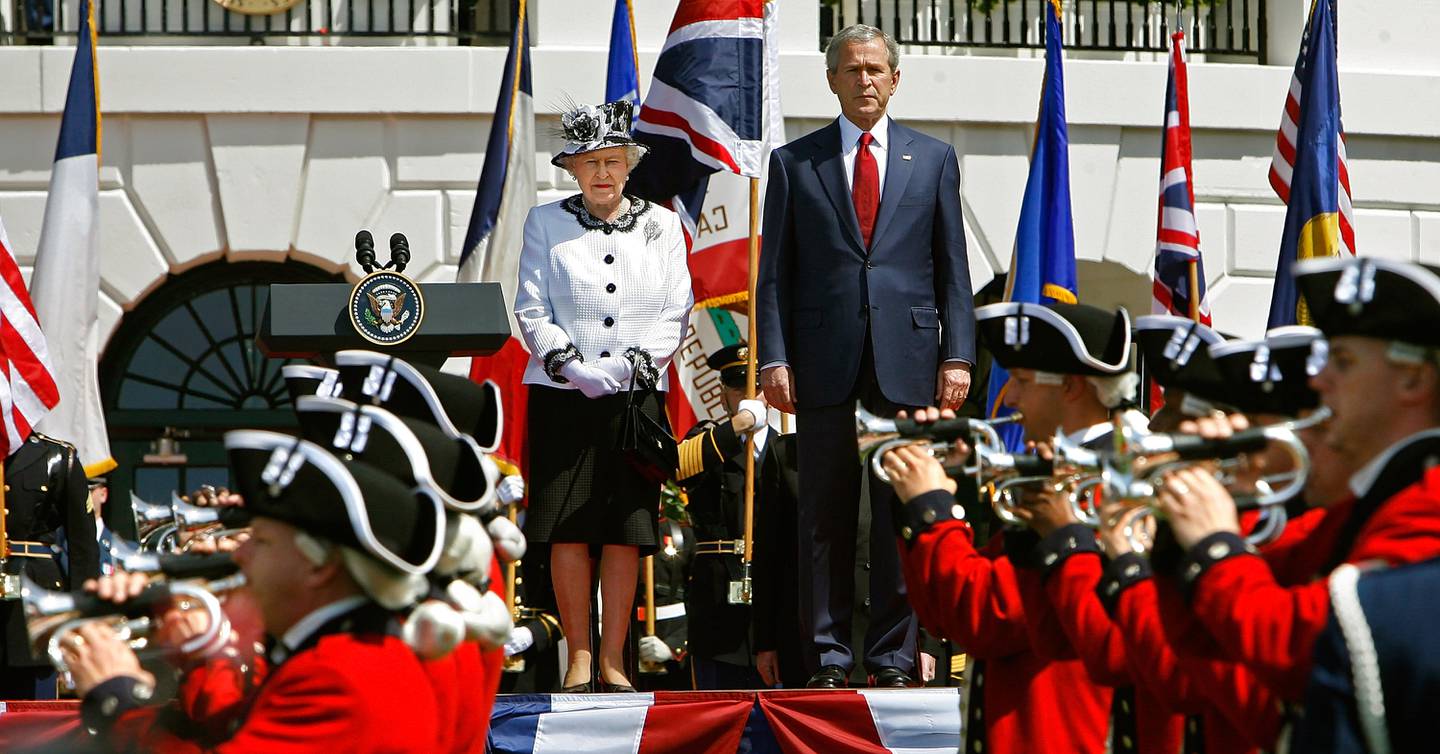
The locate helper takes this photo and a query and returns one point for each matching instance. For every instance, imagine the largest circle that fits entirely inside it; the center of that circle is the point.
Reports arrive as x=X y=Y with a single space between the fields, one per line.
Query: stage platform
x=853 y=721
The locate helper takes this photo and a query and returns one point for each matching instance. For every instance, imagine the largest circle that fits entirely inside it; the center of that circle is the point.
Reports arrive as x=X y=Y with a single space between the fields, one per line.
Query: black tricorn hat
x=1272 y=376
x=1371 y=297
x=458 y=406
x=346 y=502
x=1060 y=338
x=732 y=362
x=1177 y=355
x=415 y=452
x=308 y=379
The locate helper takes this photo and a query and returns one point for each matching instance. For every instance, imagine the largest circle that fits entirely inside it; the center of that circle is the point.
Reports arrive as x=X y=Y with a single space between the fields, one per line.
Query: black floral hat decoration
x=586 y=128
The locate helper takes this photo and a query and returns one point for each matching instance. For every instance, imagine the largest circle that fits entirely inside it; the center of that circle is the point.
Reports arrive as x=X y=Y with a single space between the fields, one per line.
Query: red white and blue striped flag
x=1282 y=163
x=1177 y=239
x=27 y=383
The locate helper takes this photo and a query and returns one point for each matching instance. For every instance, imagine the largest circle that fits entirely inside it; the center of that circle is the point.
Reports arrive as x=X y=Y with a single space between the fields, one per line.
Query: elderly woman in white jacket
x=603 y=300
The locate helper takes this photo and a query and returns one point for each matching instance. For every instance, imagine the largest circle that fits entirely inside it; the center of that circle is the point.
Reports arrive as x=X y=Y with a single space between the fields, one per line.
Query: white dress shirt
x=879 y=148
x=591 y=294
x=1369 y=474
x=303 y=628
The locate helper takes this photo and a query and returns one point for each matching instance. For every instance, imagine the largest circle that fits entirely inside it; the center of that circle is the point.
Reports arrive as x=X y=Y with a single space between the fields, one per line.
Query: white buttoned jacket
x=590 y=289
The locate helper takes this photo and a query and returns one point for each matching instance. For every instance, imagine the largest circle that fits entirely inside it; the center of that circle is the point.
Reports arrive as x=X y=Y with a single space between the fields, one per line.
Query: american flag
x=1282 y=163
x=1177 y=243
x=27 y=383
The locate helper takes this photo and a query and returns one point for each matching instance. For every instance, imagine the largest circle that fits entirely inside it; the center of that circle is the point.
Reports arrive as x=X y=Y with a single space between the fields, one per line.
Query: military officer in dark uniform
x=668 y=648
x=712 y=469
x=47 y=514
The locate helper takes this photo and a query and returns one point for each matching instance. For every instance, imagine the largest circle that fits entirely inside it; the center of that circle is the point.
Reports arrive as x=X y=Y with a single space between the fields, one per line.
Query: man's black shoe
x=891 y=678
x=829 y=677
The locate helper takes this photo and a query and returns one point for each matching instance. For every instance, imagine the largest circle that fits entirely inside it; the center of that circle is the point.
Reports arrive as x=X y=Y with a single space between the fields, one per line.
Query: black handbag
x=645 y=443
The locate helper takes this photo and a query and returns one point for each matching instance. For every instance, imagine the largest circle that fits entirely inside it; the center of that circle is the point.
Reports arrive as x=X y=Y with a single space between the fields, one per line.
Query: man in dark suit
x=51 y=533
x=864 y=294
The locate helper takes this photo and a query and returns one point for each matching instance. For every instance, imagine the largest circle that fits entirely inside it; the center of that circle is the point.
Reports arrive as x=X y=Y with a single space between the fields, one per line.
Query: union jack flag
x=1177 y=242
x=1282 y=163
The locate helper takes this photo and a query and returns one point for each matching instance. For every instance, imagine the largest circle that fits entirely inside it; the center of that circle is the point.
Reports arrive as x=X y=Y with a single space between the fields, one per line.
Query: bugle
x=937 y=438
x=52 y=616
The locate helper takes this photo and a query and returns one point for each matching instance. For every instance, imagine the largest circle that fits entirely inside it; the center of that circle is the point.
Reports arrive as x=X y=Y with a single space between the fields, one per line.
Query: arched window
x=184 y=364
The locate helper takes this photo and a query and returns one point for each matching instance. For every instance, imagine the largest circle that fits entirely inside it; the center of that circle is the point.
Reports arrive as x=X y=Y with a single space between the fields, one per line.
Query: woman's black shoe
x=579 y=688
x=616 y=688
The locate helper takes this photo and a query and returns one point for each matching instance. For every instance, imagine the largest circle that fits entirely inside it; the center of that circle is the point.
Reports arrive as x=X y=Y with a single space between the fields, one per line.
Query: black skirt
x=581 y=489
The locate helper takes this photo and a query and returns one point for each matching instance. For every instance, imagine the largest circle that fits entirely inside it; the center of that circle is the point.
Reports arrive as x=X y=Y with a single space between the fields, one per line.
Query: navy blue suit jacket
x=819 y=287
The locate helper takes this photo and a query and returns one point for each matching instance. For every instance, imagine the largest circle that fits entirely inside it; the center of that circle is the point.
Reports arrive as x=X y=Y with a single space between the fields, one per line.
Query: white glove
x=592 y=381
x=467 y=547
x=654 y=650
x=487 y=619
x=520 y=640
x=509 y=541
x=511 y=489
x=758 y=410
x=433 y=629
x=618 y=367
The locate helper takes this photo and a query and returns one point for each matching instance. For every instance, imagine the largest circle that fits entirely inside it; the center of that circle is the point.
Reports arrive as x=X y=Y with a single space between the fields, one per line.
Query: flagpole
x=754 y=267
x=650 y=668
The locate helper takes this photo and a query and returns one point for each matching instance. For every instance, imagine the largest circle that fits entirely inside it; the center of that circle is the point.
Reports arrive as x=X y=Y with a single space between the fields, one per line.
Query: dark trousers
x=830 y=479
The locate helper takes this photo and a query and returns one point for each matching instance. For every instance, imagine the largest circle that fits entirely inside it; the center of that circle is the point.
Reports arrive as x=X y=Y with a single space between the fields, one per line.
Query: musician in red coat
x=1026 y=689
x=1382 y=384
x=337 y=546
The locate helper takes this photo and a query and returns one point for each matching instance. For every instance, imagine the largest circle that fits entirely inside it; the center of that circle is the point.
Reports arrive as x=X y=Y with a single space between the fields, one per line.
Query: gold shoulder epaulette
x=47 y=438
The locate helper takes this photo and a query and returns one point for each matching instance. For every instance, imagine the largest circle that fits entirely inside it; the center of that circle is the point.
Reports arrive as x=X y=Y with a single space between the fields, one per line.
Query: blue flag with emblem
x=622 y=74
x=1042 y=267
x=1315 y=222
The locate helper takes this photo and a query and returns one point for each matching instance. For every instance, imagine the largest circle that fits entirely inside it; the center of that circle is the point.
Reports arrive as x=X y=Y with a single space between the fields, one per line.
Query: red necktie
x=865 y=191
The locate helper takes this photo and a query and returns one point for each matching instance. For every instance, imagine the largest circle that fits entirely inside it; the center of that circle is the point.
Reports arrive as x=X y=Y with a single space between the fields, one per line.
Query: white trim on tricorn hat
x=1020 y=317
x=385 y=374
x=356 y=423
x=289 y=455
x=297 y=377
x=1348 y=296
x=1186 y=336
x=1267 y=366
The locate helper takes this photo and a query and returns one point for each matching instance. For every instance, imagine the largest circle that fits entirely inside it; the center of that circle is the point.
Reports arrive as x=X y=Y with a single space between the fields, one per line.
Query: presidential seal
x=386 y=307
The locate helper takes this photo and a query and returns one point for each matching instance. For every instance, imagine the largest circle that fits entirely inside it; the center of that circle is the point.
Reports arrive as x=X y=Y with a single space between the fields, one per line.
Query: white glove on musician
x=593 y=381
x=511 y=489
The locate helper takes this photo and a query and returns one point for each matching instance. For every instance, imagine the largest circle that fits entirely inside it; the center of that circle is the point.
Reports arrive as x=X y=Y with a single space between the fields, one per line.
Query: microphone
x=365 y=250
x=399 y=252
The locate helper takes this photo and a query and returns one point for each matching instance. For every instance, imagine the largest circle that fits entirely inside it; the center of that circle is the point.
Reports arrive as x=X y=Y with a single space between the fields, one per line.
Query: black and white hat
x=346 y=502
x=1176 y=353
x=1375 y=298
x=308 y=379
x=1058 y=338
x=587 y=128
x=1272 y=376
x=415 y=452
x=458 y=406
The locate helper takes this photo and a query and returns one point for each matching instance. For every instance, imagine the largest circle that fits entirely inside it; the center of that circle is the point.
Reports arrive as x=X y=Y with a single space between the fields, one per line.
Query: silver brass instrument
x=936 y=438
x=1137 y=471
x=51 y=616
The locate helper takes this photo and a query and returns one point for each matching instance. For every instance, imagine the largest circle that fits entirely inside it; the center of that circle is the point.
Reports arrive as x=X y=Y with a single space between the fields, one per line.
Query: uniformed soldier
x=712 y=469
x=668 y=648
x=47 y=515
x=1381 y=382
x=1069 y=367
x=336 y=548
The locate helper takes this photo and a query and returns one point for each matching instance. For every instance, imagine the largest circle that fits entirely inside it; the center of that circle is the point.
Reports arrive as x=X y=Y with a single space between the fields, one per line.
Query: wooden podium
x=311 y=321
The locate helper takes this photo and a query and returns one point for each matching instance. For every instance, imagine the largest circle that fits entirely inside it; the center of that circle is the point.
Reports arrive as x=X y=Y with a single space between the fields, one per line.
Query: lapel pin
x=904 y=156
